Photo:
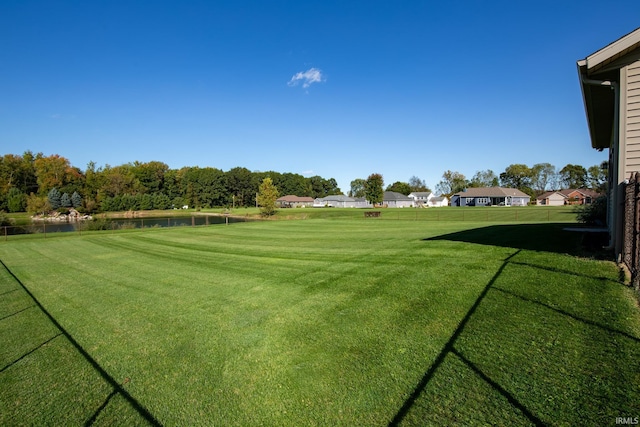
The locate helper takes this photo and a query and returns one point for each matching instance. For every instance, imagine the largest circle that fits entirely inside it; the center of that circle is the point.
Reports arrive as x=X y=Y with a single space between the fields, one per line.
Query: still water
x=121 y=223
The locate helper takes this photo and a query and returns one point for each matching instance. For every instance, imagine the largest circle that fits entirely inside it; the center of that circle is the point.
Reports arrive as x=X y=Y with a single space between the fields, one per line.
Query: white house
x=421 y=198
x=437 y=202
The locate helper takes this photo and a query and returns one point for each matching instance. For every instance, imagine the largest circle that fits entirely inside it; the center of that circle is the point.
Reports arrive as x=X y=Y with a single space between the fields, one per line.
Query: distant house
x=292 y=201
x=437 y=202
x=391 y=199
x=581 y=196
x=421 y=198
x=341 y=201
x=490 y=196
x=551 y=198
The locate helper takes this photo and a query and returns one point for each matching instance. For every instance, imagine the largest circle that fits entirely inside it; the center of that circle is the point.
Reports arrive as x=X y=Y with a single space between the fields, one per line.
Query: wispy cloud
x=307 y=78
x=59 y=116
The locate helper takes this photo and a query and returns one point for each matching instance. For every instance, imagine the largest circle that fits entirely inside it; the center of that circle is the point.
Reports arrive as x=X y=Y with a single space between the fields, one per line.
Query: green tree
x=4 y=219
x=516 y=176
x=400 y=187
x=16 y=200
x=598 y=177
x=54 y=198
x=240 y=186
x=543 y=177
x=290 y=183
x=76 y=200
x=486 y=178
x=418 y=185
x=119 y=180
x=65 y=200
x=267 y=196
x=373 y=189
x=150 y=175
x=573 y=176
x=38 y=204
x=451 y=183
x=321 y=187
x=357 y=188
x=205 y=187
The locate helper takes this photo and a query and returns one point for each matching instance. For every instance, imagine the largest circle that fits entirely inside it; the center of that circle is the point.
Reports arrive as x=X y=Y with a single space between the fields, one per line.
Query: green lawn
x=320 y=322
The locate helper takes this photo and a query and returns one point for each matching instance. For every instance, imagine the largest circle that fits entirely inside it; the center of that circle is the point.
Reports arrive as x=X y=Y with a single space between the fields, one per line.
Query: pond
x=120 y=224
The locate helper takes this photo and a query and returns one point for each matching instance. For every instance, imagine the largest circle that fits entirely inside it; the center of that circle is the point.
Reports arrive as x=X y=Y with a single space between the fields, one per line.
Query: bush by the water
x=4 y=219
x=96 y=224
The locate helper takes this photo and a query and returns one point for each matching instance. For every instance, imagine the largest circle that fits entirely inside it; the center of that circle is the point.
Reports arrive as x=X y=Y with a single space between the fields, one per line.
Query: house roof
x=336 y=198
x=599 y=76
x=393 y=196
x=438 y=199
x=420 y=193
x=492 y=192
x=584 y=191
x=567 y=193
x=294 y=199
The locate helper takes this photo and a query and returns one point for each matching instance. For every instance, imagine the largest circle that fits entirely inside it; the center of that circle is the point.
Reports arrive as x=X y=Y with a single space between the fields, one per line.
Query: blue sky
x=340 y=89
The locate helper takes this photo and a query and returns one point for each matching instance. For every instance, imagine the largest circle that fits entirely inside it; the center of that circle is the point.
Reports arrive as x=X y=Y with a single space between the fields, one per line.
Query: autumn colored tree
x=51 y=172
x=267 y=196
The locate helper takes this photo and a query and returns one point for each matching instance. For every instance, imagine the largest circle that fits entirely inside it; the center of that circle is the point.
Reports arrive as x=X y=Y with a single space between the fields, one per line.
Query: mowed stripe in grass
x=319 y=322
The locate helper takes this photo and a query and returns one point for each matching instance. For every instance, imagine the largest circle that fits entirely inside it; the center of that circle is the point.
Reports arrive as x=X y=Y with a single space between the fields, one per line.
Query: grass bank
x=323 y=322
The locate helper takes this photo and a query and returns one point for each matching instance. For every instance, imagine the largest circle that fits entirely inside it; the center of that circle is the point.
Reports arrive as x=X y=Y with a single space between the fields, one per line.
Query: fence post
x=636 y=232
x=44 y=229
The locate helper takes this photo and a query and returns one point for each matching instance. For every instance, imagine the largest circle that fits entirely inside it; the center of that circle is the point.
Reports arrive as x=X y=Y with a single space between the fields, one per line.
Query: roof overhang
x=599 y=74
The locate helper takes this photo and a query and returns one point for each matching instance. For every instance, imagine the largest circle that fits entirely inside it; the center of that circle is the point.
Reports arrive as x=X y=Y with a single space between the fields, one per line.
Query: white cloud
x=59 y=116
x=312 y=75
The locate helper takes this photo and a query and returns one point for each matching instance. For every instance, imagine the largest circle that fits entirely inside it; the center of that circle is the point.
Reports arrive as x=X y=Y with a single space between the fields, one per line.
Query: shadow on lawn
x=548 y=237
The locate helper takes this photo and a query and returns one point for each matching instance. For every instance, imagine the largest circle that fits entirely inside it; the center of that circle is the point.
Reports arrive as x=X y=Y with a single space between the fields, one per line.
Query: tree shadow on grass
x=548 y=237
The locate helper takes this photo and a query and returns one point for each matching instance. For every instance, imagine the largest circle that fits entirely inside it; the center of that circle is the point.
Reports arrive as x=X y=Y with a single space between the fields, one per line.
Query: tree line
x=38 y=183
x=533 y=180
